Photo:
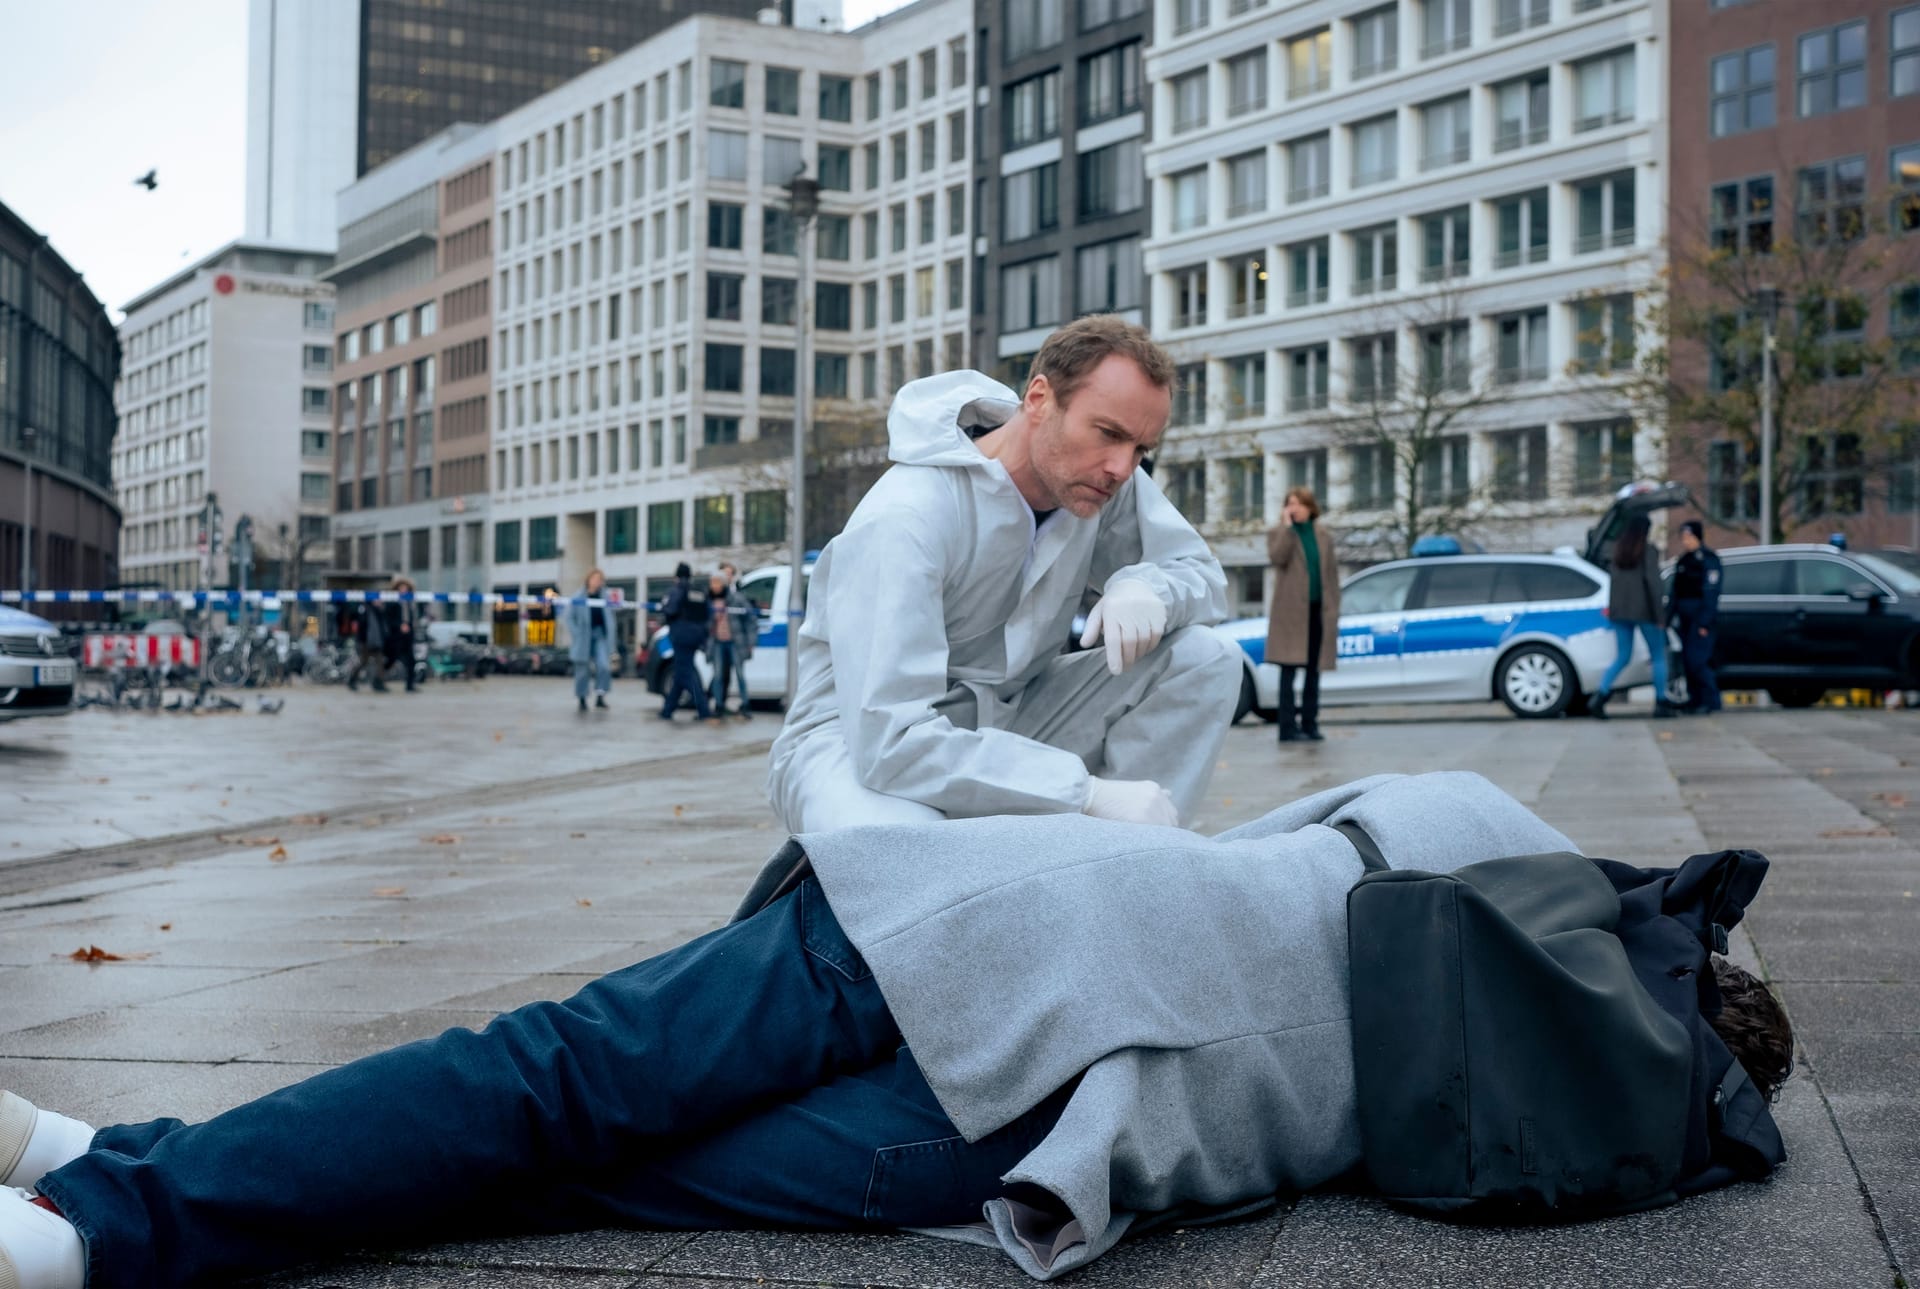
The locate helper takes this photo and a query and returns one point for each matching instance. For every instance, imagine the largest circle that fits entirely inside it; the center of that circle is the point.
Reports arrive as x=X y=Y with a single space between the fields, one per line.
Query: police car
x=1528 y=630
x=766 y=589
x=36 y=674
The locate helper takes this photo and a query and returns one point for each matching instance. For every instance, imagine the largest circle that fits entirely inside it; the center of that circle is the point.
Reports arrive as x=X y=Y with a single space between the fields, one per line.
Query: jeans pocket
x=927 y=1183
x=823 y=937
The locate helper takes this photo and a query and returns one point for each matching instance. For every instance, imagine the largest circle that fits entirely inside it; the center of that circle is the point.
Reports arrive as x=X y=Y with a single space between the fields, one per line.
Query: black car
x=1797 y=621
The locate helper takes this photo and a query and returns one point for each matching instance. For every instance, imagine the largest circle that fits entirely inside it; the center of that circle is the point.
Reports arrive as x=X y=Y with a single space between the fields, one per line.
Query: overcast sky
x=98 y=92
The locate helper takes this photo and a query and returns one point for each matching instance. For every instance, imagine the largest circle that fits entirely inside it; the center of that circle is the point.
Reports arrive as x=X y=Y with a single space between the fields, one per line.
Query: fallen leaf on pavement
x=576 y=835
x=278 y=854
x=1665 y=736
x=1824 y=772
x=166 y=926
x=389 y=892
x=679 y=811
x=310 y=821
x=1898 y=800
x=94 y=953
x=442 y=839
x=1856 y=832
x=259 y=841
x=499 y=736
x=585 y=904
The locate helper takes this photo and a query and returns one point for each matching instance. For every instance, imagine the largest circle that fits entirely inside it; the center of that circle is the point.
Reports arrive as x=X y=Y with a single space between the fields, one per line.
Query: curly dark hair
x=1754 y=1026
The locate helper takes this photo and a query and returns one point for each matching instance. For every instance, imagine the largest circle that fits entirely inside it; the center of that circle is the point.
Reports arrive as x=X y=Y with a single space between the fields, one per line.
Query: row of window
x=1604 y=94
x=1833 y=474
x=180 y=323
x=157 y=375
x=392 y=389
x=176 y=490
x=396 y=329
x=1107 y=85
x=1829 y=74
x=164 y=412
x=1109 y=181
x=1375 y=36
x=1830 y=203
x=753 y=518
x=780 y=87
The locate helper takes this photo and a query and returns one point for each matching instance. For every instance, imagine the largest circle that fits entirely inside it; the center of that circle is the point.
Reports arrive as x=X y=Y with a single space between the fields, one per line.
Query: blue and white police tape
x=234 y=597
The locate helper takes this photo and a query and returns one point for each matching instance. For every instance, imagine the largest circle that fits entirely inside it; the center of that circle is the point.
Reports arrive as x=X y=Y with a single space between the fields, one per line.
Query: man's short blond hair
x=1070 y=354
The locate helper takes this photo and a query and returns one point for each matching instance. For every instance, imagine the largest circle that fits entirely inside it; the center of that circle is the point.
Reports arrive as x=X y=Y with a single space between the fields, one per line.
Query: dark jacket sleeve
x=1650 y=574
x=1709 y=590
x=675 y=598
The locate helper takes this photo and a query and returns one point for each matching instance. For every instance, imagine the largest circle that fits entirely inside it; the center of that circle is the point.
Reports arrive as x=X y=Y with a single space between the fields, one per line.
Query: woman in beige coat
x=1303 y=619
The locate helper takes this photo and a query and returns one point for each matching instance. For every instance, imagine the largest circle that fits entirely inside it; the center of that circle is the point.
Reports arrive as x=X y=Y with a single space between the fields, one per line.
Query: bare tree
x=1842 y=392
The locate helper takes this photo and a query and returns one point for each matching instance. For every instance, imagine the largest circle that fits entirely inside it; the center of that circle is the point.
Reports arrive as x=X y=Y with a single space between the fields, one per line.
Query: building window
x=1309 y=63
x=1107 y=277
x=766 y=518
x=1742 y=91
x=1188 y=207
x=1445 y=359
x=1306 y=378
x=1522 y=229
x=543 y=538
x=1445 y=25
x=727 y=83
x=1832 y=69
x=1445 y=478
x=1836 y=323
x=1741 y=215
x=1028 y=26
x=1376 y=150
x=836 y=168
x=1832 y=475
x=1110 y=83
x=1733 y=482
x=1247 y=83
x=779 y=301
x=1188 y=15
x=1029 y=204
x=830 y=375
x=727 y=155
x=1522 y=347
x=783 y=91
x=1185 y=485
x=1376 y=42
x=1446 y=132
x=1602 y=457
x=1904 y=76
x=623 y=530
x=1246 y=387
x=1247 y=286
x=506 y=542
x=1905 y=182
x=1445 y=245
x=1307 y=168
x=716 y=430
x=712 y=521
x=1032 y=110
x=836 y=98
x=1098 y=13
x=1030 y=294
x=776 y=372
x=1830 y=201
x=783 y=159
x=779 y=234
x=723 y=296
x=1374 y=374
x=1520 y=464
x=1510 y=16
x=1376 y=259
x=1604 y=208
x=1190 y=395
x=1603 y=91
x=666 y=525
x=833 y=238
x=1521 y=112
x=1307 y=271
x=1247 y=184
x=1190 y=296
x=723 y=369
x=1189 y=101
x=833 y=306
x=1245 y=493
x=1603 y=334
x=1371 y=470
x=1111 y=180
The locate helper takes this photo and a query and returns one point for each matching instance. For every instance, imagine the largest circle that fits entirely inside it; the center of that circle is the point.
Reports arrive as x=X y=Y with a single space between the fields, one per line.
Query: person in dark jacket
x=370 y=646
x=1633 y=607
x=401 y=620
x=686 y=613
x=1696 y=614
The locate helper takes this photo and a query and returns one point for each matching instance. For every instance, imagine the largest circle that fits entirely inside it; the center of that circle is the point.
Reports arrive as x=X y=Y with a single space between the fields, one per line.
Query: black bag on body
x=1531 y=1040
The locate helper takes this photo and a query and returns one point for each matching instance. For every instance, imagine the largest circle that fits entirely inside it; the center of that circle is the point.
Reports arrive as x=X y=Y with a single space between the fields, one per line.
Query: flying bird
x=149 y=180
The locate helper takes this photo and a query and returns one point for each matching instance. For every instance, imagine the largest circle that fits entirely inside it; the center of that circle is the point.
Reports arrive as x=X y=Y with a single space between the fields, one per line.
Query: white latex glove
x=1132 y=617
x=1130 y=801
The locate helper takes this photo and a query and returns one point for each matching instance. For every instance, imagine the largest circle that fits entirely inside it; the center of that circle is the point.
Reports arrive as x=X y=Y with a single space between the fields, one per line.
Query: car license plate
x=54 y=673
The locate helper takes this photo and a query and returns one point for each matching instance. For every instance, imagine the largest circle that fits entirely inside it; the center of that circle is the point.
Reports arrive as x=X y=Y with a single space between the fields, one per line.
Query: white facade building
x=224 y=388
x=1349 y=197
x=303 y=110
x=645 y=305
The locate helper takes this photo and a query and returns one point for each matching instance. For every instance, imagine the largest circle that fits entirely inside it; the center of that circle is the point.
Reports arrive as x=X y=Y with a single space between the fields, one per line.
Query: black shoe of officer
x=1290 y=734
x=1312 y=734
x=1665 y=711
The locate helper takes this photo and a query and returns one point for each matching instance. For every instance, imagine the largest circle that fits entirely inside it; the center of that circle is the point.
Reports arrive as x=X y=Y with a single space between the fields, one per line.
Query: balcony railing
x=1308 y=401
x=1307 y=192
x=1507 y=259
x=1441 y=272
x=1449 y=157
x=1505 y=375
x=1315 y=85
x=1587 y=243
x=1369 y=285
x=1445 y=45
x=1510 y=137
x=1311 y=295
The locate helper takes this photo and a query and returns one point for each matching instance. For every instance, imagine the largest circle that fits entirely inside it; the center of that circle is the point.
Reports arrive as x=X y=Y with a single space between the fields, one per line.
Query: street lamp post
x=803 y=199
x=26 y=546
x=1769 y=299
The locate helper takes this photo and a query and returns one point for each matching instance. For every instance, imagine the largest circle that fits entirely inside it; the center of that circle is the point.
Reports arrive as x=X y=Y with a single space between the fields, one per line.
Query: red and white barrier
x=129 y=650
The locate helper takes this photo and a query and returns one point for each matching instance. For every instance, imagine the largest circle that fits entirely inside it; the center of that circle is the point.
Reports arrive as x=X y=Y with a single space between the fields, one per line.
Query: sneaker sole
x=17 y=1116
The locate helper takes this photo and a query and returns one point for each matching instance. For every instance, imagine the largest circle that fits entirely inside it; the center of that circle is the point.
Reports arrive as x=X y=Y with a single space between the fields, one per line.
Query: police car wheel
x=1535 y=681
x=1247 y=698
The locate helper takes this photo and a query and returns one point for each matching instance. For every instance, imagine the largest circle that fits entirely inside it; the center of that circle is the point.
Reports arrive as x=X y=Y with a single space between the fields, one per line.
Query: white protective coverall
x=932 y=681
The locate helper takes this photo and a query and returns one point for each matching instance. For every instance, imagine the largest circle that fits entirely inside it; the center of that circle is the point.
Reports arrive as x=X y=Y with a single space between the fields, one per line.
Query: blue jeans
x=686 y=677
x=753 y=1077
x=725 y=655
x=598 y=663
x=1656 y=637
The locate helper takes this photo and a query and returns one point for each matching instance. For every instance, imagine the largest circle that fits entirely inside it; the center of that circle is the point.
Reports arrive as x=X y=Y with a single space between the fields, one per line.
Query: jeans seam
x=806 y=937
x=883 y=1155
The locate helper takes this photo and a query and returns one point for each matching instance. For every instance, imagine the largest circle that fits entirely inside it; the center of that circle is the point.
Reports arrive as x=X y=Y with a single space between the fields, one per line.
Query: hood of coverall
x=931 y=418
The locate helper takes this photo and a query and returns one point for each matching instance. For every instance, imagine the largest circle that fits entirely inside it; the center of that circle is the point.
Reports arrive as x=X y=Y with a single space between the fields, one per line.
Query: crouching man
x=1037 y=1032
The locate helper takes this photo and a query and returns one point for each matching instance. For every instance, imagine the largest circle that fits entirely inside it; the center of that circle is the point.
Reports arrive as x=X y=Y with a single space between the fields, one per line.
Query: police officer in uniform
x=1696 y=610
x=686 y=612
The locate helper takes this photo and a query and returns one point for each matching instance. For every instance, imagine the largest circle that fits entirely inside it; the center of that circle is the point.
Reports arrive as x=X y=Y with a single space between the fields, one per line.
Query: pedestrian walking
x=1633 y=607
x=1306 y=601
x=686 y=614
x=590 y=642
x=401 y=620
x=369 y=622
x=1696 y=615
x=734 y=623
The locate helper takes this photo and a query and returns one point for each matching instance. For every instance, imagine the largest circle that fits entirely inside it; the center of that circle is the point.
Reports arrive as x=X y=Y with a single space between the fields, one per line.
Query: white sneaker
x=38 y=1249
x=34 y=1142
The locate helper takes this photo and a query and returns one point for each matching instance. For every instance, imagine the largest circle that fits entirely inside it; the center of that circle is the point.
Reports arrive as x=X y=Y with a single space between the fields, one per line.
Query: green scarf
x=1310 y=548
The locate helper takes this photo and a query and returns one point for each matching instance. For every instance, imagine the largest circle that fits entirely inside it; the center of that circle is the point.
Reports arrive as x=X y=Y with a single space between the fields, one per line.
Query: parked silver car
x=36 y=676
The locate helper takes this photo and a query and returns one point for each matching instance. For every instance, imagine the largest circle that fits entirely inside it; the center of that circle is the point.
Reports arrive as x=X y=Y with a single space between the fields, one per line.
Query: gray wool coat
x=1200 y=983
x=1635 y=594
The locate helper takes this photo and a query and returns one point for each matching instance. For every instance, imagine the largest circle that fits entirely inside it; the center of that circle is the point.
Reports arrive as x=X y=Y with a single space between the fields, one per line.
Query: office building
x=647 y=302
x=1420 y=223
x=1058 y=170
x=225 y=389
x=412 y=377
x=58 y=362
